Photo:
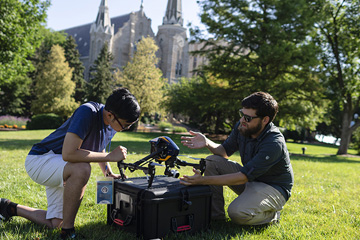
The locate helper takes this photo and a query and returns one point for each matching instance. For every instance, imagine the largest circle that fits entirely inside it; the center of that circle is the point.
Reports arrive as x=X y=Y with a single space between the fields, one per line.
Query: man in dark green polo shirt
x=264 y=180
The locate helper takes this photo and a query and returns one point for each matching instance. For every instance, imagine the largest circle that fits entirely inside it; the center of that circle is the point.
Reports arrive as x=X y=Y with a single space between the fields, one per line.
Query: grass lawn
x=324 y=202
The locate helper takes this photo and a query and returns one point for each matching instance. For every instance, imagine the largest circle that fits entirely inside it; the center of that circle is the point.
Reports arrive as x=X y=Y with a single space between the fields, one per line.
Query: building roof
x=82 y=33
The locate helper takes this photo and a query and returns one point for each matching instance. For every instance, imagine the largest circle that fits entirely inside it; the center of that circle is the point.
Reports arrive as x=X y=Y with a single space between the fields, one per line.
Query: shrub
x=168 y=127
x=297 y=135
x=44 y=121
x=165 y=126
x=179 y=129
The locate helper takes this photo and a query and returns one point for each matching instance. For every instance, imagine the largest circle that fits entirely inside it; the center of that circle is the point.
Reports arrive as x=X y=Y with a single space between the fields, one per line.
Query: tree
x=72 y=56
x=202 y=99
x=339 y=36
x=14 y=95
x=41 y=55
x=101 y=82
x=20 y=23
x=142 y=77
x=263 y=46
x=19 y=26
x=54 y=88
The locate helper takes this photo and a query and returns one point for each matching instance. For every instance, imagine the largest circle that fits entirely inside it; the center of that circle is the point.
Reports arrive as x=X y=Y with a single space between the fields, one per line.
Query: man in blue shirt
x=61 y=161
x=264 y=180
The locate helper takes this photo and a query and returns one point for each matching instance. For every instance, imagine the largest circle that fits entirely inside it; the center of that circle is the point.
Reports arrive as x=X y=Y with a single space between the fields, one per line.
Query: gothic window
x=195 y=62
x=178 y=69
x=141 y=29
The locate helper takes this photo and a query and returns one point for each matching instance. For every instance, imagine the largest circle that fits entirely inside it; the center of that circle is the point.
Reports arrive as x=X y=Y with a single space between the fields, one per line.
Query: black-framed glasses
x=122 y=127
x=246 y=117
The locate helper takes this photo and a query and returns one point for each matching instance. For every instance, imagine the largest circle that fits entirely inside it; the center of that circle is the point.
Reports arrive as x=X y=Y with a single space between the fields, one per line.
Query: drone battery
x=166 y=208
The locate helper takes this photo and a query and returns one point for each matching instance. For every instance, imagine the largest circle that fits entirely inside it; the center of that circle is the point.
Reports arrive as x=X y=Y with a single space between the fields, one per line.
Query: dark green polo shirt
x=264 y=159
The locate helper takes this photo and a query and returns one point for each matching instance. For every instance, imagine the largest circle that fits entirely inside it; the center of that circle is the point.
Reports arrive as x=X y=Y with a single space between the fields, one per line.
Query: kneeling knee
x=83 y=171
x=240 y=216
x=212 y=165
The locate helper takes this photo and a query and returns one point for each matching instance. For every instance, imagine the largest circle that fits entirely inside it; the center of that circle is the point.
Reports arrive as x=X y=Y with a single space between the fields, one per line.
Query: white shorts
x=47 y=170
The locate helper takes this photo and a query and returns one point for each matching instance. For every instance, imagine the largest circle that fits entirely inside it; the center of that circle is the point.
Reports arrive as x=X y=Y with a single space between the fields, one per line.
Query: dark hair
x=263 y=103
x=123 y=104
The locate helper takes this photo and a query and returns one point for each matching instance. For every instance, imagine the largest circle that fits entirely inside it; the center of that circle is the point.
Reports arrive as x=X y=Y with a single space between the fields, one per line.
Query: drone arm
x=201 y=166
x=151 y=155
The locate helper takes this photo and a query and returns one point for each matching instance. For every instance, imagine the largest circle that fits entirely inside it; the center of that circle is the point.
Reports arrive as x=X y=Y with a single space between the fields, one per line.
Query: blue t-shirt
x=87 y=122
x=265 y=158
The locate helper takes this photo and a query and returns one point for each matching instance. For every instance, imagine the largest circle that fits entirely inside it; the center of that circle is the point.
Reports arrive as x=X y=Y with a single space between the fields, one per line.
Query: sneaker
x=70 y=234
x=4 y=215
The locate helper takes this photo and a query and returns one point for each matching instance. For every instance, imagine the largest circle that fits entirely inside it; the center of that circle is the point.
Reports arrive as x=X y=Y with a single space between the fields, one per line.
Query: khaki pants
x=257 y=203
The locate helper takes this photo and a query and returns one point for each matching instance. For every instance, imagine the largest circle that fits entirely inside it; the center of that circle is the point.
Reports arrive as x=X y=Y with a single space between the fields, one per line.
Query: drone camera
x=166 y=145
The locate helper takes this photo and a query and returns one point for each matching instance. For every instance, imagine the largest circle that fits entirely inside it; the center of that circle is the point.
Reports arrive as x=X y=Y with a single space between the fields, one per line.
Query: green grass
x=324 y=202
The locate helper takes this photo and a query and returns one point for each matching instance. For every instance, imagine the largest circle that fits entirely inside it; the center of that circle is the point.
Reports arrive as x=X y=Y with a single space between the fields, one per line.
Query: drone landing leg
x=151 y=172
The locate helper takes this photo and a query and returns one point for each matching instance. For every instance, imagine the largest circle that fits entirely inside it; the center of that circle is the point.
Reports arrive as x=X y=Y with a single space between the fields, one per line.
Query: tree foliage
x=14 y=96
x=41 y=55
x=205 y=102
x=263 y=46
x=20 y=22
x=143 y=78
x=101 y=82
x=72 y=56
x=339 y=36
x=54 y=88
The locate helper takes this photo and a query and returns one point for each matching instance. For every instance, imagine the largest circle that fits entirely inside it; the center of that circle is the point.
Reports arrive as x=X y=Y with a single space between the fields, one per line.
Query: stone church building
x=123 y=32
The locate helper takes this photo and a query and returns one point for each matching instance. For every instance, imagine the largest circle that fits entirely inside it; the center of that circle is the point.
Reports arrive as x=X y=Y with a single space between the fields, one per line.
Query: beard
x=250 y=131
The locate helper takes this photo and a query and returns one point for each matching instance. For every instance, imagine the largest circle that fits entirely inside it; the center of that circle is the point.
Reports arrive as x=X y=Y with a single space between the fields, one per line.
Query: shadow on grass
x=222 y=230
x=101 y=231
x=27 y=230
x=324 y=158
x=16 y=144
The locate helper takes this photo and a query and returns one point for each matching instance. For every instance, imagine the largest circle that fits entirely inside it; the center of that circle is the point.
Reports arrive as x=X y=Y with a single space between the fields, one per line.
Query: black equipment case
x=166 y=208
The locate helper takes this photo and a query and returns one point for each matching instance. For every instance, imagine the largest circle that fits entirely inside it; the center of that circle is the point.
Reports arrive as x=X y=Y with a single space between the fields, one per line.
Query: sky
x=63 y=14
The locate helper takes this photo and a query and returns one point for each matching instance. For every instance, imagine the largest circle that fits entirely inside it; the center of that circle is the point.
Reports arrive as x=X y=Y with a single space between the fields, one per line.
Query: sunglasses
x=122 y=127
x=246 y=117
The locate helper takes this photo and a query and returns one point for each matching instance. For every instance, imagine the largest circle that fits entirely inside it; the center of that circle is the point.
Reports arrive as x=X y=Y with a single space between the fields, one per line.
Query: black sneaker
x=4 y=215
x=70 y=234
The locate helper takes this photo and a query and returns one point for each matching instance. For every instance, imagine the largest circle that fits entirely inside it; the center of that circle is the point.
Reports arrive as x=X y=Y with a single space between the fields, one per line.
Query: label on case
x=104 y=190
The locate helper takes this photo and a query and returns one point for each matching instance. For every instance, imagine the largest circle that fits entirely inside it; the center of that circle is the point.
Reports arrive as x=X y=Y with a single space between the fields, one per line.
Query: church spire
x=103 y=17
x=173 y=13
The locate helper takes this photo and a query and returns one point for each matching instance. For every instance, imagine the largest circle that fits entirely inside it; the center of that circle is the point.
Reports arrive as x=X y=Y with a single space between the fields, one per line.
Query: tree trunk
x=345 y=133
x=345 y=141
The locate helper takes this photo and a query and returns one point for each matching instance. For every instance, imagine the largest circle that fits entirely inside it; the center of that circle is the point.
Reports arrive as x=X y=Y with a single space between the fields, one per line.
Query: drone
x=163 y=151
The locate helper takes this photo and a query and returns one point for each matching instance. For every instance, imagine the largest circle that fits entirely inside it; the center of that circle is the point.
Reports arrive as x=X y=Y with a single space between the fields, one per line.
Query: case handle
x=182 y=228
x=123 y=223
